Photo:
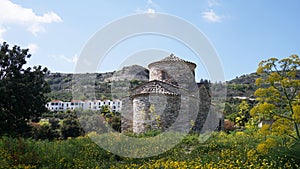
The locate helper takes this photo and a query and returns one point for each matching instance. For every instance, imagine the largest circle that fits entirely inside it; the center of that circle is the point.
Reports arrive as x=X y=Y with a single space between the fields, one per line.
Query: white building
x=57 y=105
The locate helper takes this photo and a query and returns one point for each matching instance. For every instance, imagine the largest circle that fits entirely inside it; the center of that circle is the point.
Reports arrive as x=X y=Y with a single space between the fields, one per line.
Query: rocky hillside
x=243 y=86
x=119 y=82
x=104 y=84
x=62 y=84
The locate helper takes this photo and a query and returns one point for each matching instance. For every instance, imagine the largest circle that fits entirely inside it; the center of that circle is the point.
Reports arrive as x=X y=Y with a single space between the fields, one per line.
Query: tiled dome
x=172 y=58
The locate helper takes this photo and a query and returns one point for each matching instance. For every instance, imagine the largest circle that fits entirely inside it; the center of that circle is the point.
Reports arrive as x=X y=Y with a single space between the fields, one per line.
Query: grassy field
x=235 y=150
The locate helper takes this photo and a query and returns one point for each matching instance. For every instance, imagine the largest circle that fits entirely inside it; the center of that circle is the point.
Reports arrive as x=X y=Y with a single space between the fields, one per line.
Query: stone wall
x=173 y=113
x=171 y=100
x=209 y=118
x=204 y=106
x=170 y=111
x=154 y=112
x=141 y=113
x=176 y=73
x=126 y=114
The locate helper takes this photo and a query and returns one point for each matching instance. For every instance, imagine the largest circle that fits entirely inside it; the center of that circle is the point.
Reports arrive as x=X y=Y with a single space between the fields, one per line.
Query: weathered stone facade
x=155 y=114
x=173 y=70
x=171 y=100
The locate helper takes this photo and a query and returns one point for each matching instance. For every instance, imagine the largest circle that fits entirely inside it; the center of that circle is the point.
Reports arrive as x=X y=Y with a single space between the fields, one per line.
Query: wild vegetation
x=222 y=150
x=22 y=90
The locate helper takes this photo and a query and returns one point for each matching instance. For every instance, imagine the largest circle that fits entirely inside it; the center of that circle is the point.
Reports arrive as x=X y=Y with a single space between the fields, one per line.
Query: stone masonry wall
x=155 y=111
x=140 y=113
x=126 y=115
x=189 y=109
x=176 y=73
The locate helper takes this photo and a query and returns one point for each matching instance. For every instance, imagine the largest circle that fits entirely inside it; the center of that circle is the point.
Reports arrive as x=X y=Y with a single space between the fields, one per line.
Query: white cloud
x=149 y=2
x=150 y=8
x=73 y=59
x=33 y=48
x=211 y=16
x=36 y=28
x=150 y=11
x=212 y=3
x=2 y=31
x=147 y=11
x=15 y=14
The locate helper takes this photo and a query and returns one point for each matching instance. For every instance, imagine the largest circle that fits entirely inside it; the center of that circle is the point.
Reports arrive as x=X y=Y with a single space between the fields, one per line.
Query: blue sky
x=242 y=32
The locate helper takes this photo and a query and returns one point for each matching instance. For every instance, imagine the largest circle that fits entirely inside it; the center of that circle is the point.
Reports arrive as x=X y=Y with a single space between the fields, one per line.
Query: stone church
x=170 y=101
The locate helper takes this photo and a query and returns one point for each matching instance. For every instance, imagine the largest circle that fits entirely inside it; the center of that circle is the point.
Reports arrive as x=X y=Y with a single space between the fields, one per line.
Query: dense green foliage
x=279 y=96
x=22 y=90
x=235 y=150
x=75 y=123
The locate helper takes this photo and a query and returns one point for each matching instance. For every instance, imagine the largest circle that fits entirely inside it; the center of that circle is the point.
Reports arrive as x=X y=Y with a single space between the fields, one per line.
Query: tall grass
x=236 y=150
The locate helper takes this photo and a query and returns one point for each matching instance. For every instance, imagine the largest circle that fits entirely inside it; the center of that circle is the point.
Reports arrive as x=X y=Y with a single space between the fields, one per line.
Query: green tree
x=22 y=90
x=71 y=128
x=105 y=110
x=278 y=96
x=115 y=121
x=242 y=115
x=112 y=118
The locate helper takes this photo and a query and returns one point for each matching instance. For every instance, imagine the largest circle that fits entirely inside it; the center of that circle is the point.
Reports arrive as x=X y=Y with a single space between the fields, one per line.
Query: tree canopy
x=278 y=96
x=22 y=90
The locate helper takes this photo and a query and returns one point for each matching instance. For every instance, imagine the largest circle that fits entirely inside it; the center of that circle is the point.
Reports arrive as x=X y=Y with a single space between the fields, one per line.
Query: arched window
x=163 y=75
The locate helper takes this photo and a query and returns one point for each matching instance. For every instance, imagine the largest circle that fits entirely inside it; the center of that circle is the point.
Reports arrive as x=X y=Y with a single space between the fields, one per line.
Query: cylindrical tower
x=173 y=70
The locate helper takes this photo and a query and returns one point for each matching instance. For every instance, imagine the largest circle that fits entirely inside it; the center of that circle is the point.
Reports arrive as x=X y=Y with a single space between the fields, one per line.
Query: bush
x=221 y=150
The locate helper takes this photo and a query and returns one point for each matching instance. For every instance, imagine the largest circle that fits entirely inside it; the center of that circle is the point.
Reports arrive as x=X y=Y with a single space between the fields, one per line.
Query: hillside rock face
x=134 y=72
x=62 y=84
x=64 y=80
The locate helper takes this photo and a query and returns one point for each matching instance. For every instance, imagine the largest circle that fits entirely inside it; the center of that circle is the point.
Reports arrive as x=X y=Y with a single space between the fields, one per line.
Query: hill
x=62 y=84
x=243 y=86
x=128 y=77
x=125 y=79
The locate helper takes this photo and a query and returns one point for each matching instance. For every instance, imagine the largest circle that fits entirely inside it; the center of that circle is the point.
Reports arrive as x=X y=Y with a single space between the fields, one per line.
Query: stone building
x=171 y=99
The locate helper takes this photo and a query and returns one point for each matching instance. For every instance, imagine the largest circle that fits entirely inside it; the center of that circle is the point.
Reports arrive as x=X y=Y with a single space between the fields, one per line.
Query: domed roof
x=172 y=58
